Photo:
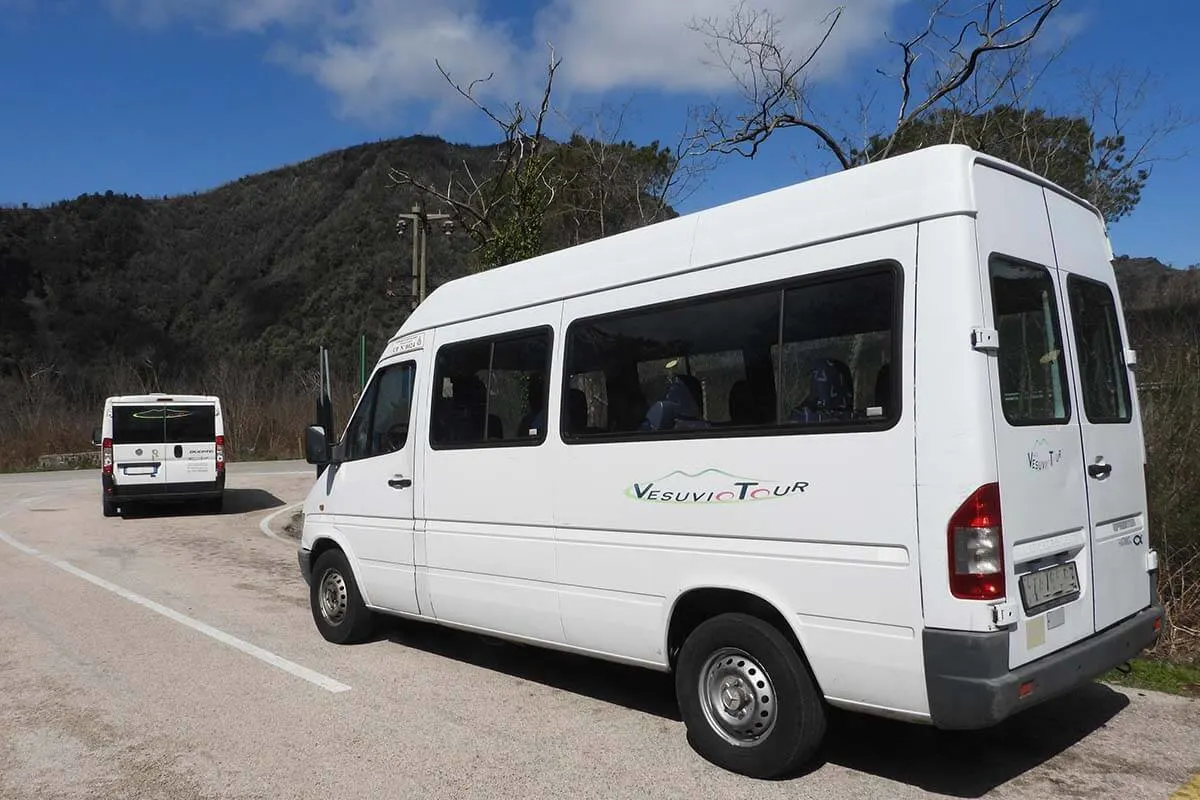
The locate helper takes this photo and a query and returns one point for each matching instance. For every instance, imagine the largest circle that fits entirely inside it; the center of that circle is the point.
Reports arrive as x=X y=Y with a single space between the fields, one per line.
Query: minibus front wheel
x=337 y=606
x=749 y=703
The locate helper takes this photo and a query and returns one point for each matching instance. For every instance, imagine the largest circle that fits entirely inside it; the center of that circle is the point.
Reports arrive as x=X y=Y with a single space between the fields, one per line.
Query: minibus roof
x=926 y=184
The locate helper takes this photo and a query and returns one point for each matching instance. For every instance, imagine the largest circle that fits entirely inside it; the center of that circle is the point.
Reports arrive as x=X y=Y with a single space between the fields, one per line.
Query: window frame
x=781 y=287
x=1073 y=278
x=1067 y=372
x=370 y=394
x=492 y=340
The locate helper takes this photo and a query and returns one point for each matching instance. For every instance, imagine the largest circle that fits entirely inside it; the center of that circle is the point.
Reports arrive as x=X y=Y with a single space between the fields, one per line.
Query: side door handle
x=399 y=483
x=1099 y=471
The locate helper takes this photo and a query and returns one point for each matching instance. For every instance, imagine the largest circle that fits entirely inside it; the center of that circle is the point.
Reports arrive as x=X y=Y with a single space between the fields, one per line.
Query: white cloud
x=1061 y=29
x=381 y=55
x=648 y=43
x=377 y=56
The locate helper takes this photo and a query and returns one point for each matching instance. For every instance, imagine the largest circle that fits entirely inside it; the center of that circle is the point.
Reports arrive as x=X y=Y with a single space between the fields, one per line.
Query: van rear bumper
x=163 y=491
x=970 y=685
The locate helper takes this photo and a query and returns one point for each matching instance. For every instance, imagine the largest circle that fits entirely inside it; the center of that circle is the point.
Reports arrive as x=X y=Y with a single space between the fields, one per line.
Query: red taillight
x=220 y=453
x=106 y=457
x=976 y=547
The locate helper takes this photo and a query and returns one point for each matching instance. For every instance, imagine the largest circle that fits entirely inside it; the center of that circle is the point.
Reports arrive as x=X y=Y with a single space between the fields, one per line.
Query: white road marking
x=316 y=678
x=265 y=524
x=24 y=548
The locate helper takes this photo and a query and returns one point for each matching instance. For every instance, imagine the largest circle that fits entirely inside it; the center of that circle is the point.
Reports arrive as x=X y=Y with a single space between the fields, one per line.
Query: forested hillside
x=258 y=271
x=263 y=269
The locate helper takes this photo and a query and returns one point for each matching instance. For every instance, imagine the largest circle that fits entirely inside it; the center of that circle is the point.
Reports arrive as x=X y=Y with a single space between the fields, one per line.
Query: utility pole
x=420 y=219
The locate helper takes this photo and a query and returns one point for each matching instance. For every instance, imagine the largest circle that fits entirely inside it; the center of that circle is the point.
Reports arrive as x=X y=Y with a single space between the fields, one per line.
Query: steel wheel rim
x=737 y=696
x=333 y=597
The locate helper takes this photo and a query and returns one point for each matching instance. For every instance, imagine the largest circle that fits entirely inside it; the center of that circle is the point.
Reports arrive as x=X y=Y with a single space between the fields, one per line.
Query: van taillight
x=220 y=453
x=976 y=547
x=106 y=458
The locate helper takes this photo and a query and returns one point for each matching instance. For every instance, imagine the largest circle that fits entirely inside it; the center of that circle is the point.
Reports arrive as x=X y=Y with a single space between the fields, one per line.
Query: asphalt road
x=173 y=656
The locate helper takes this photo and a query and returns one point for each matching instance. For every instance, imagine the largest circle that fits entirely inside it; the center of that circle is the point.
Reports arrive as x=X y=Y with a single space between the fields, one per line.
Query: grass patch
x=1159 y=676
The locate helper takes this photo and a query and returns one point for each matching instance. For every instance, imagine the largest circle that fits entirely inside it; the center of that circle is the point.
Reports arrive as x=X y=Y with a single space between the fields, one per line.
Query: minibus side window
x=834 y=364
x=1103 y=380
x=393 y=407
x=380 y=423
x=1032 y=366
x=739 y=363
x=492 y=392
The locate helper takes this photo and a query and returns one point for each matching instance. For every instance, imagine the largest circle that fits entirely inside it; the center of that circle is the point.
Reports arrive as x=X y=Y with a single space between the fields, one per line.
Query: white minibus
x=161 y=448
x=871 y=441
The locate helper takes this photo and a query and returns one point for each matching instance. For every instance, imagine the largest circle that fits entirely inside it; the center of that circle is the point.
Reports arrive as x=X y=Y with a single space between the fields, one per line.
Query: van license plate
x=1047 y=588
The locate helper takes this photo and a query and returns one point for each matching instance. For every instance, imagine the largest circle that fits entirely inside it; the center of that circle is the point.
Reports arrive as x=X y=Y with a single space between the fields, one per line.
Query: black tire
x=341 y=617
x=737 y=649
x=109 y=507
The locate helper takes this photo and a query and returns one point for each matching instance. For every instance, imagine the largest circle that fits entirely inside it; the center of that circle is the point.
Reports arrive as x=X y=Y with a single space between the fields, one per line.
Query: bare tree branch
x=769 y=80
x=946 y=55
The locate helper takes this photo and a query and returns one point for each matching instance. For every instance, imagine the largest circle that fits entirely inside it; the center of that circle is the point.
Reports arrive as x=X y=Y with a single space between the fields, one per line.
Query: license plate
x=1048 y=588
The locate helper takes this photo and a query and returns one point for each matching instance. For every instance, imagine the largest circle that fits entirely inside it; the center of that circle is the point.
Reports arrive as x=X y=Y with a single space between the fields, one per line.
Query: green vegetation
x=1065 y=149
x=1158 y=676
x=262 y=270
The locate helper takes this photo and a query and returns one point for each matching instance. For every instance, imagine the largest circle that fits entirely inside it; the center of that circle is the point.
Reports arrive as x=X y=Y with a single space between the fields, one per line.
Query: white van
x=159 y=447
x=871 y=441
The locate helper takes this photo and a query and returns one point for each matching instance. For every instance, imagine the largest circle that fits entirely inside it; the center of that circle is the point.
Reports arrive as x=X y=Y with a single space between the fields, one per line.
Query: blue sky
x=172 y=96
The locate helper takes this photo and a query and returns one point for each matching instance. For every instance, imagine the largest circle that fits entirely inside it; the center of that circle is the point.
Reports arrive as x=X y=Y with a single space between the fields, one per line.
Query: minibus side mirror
x=316 y=445
x=97 y=437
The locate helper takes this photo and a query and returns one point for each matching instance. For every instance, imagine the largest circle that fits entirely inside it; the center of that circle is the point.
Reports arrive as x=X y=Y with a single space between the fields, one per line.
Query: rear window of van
x=163 y=424
x=137 y=425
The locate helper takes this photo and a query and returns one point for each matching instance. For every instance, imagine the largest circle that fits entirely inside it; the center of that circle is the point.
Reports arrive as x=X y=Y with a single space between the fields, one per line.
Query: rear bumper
x=162 y=491
x=971 y=686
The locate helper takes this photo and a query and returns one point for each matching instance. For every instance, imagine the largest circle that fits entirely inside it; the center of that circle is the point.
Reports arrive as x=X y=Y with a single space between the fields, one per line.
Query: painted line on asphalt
x=266 y=656
x=265 y=524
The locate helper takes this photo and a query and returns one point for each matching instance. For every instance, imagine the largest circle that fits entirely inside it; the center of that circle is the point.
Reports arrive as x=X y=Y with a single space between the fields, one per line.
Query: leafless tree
x=608 y=178
x=965 y=56
x=1126 y=141
x=500 y=206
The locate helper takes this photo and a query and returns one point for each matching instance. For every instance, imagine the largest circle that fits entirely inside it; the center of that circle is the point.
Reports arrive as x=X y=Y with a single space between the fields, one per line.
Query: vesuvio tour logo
x=1043 y=456
x=711 y=486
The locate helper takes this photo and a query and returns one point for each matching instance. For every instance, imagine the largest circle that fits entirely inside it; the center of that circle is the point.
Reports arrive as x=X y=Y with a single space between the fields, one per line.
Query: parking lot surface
x=172 y=655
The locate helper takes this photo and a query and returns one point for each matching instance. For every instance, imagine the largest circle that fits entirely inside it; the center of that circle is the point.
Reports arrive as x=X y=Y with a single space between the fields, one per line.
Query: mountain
x=1147 y=283
x=265 y=267
x=1160 y=302
x=261 y=270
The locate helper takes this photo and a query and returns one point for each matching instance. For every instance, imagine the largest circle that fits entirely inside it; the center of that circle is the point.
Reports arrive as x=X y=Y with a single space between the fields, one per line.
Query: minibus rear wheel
x=337 y=606
x=749 y=703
